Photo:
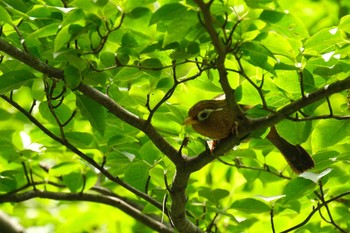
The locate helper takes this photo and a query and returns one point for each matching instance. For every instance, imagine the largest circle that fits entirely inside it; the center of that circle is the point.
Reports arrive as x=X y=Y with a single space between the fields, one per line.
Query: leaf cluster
x=94 y=94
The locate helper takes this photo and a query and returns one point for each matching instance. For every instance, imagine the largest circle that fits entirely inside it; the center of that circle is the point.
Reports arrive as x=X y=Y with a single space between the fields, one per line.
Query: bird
x=214 y=119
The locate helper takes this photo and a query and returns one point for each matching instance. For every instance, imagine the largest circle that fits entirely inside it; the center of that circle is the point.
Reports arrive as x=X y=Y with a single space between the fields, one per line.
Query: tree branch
x=92 y=162
x=179 y=199
x=30 y=60
x=99 y=97
x=306 y=220
x=108 y=200
x=295 y=106
x=196 y=163
x=135 y=121
x=221 y=58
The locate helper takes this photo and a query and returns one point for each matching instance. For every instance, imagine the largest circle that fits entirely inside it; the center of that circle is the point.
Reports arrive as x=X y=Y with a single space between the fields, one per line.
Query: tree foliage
x=94 y=94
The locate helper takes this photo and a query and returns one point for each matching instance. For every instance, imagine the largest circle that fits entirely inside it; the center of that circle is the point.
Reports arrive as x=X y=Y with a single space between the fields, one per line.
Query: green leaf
x=288 y=81
x=132 y=4
x=128 y=40
x=108 y=59
x=177 y=29
x=64 y=168
x=168 y=12
x=279 y=44
x=80 y=139
x=17 y=4
x=153 y=66
x=62 y=38
x=328 y=133
x=8 y=151
x=213 y=195
x=12 y=80
x=7 y=184
x=137 y=175
x=167 y=122
x=63 y=112
x=74 y=181
x=129 y=74
x=297 y=188
x=157 y=176
x=164 y=83
x=258 y=55
x=251 y=205
x=294 y=132
x=345 y=23
x=121 y=139
x=4 y=115
x=323 y=41
x=259 y=3
x=150 y=153
x=122 y=56
x=285 y=24
x=93 y=111
x=119 y=161
x=5 y=16
x=46 y=31
x=37 y=89
x=72 y=76
x=331 y=69
x=100 y=3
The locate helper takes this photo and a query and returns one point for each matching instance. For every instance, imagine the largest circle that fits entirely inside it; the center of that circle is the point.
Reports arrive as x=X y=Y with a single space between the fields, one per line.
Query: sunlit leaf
x=329 y=132
x=298 y=188
x=64 y=169
x=74 y=181
x=137 y=175
x=168 y=12
x=214 y=195
x=259 y=3
x=285 y=24
x=93 y=112
x=48 y=30
x=295 y=133
x=7 y=184
x=251 y=205
x=345 y=23
x=5 y=16
x=323 y=41
x=80 y=139
x=15 y=79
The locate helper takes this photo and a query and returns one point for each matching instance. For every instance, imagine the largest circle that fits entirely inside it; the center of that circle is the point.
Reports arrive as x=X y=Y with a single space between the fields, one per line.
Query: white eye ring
x=204 y=114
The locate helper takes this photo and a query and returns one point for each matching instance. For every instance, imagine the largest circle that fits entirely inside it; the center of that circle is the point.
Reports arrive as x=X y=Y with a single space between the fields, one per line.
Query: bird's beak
x=190 y=121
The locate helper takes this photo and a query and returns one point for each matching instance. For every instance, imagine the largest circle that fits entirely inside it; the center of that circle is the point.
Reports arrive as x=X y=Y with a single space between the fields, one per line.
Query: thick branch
x=221 y=58
x=225 y=145
x=295 y=106
x=108 y=200
x=30 y=60
x=82 y=155
x=135 y=121
x=99 y=97
x=178 y=205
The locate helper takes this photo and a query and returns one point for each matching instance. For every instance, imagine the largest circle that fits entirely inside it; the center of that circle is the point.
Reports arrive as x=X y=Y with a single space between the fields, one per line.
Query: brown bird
x=213 y=119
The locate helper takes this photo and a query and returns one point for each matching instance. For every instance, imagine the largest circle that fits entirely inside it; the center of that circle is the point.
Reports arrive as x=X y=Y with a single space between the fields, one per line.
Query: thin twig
x=331 y=220
x=82 y=155
x=315 y=210
x=237 y=164
x=272 y=221
x=108 y=200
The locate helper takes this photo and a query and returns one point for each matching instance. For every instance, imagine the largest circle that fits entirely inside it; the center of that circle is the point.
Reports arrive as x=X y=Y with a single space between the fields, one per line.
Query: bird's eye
x=203 y=115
